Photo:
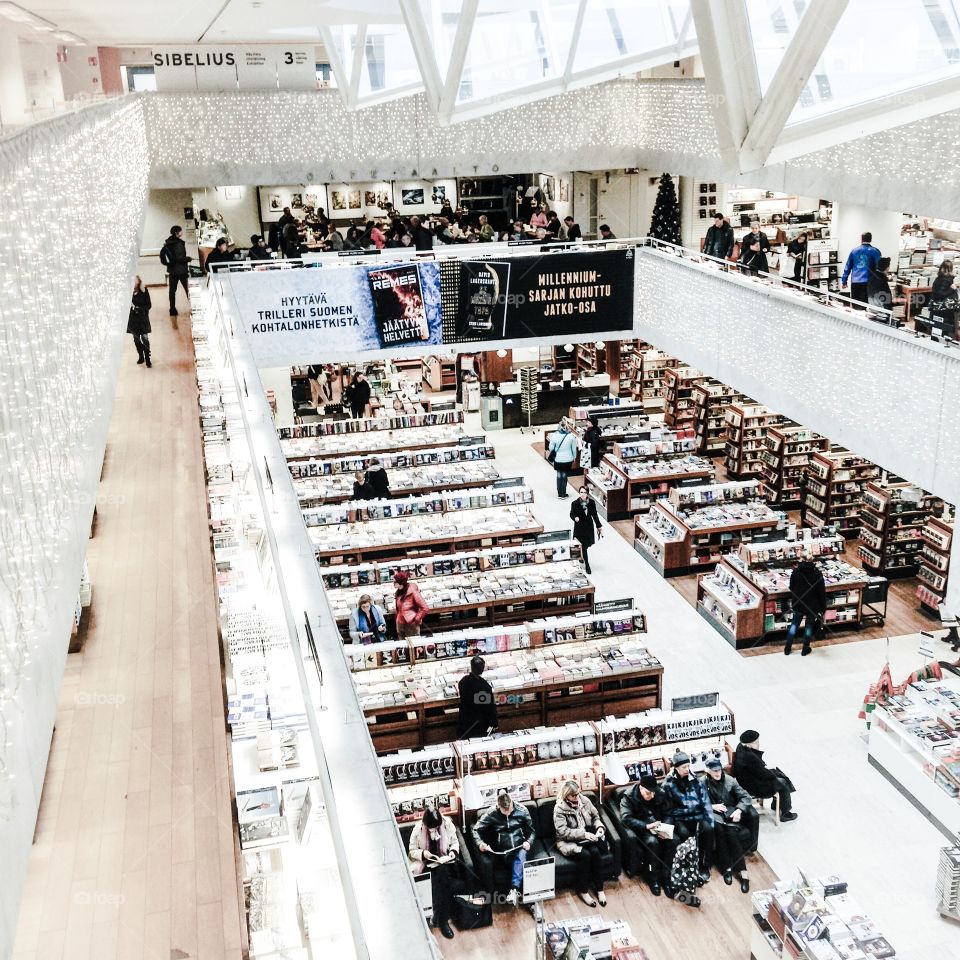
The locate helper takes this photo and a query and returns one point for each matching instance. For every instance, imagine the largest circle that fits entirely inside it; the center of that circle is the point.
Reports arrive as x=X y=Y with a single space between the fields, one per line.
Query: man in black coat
x=573 y=230
x=583 y=513
x=218 y=256
x=642 y=811
x=258 y=249
x=422 y=237
x=757 y=778
x=808 y=595
x=173 y=255
x=719 y=239
x=478 y=711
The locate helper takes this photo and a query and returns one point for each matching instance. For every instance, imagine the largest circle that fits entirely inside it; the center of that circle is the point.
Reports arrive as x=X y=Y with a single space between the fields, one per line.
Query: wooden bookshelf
x=439 y=373
x=937 y=537
x=589 y=359
x=892 y=519
x=710 y=401
x=746 y=432
x=648 y=386
x=679 y=411
x=835 y=480
x=785 y=457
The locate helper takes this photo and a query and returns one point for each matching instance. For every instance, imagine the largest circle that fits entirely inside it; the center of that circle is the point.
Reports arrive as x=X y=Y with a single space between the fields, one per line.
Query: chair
x=494 y=872
x=774 y=805
x=469 y=871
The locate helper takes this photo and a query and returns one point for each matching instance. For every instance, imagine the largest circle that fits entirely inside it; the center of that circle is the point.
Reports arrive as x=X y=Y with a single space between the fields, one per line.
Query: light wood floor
x=134 y=855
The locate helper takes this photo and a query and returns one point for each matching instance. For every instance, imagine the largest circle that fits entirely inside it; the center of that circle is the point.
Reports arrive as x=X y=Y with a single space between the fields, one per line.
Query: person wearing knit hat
x=690 y=810
x=411 y=607
x=759 y=780
x=258 y=249
x=645 y=851
x=737 y=823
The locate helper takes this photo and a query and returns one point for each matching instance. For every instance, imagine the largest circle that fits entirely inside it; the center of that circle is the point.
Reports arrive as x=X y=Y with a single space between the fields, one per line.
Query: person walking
x=583 y=513
x=435 y=847
x=860 y=262
x=719 y=240
x=138 y=323
x=562 y=453
x=478 y=709
x=581 y=837
x=593 y=441
x=411 y=607
x=173 y=255
x=808 y=596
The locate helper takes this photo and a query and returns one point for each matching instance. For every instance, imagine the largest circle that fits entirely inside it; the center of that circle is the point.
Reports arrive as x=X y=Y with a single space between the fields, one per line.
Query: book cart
x=746 y=598
x=695 y=526
x=639 y=472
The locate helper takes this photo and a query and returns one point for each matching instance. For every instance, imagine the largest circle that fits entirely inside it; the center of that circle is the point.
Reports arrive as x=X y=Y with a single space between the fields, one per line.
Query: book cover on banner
x=483 y=294
x=398 y=305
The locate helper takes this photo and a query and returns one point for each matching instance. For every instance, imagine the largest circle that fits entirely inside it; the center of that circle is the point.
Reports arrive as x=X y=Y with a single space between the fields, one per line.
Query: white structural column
x=13 y=93
x=850 y=220
x=458 y=57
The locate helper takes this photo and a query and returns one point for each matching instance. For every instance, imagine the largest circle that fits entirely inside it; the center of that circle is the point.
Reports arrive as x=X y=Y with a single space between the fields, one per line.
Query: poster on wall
x=412 y=197
x=556 y=295
x=290 y=314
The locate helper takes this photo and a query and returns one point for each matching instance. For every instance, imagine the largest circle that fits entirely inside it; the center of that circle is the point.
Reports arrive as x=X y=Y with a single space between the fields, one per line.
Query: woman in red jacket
x=411 y=607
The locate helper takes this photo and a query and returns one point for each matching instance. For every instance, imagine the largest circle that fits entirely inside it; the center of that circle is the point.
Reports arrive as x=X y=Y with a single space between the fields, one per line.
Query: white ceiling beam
x=359 y=43
x=817 y=25
x=730 y=70
x=574 y=41
x=458 y=57
x=336 y=63
x=864 y=119
x=423 y=50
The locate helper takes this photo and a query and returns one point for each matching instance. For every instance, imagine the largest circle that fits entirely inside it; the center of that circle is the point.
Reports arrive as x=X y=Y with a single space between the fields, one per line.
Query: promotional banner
x=308 y=314
x=557 y=294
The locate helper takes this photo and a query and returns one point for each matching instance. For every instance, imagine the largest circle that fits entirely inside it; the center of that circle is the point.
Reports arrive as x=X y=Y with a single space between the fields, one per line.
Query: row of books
x=387 y=440
x=325 y=428
x=402 y=459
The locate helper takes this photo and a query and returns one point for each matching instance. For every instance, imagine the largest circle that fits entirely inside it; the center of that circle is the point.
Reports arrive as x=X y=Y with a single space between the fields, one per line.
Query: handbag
x=472 y=912
x=552 y=456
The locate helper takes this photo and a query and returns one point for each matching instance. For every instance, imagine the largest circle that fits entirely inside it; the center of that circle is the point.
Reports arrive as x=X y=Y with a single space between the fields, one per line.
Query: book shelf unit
x=623 y=486
x=403 y=421
x=439 y=373
x=834 y=496
x=936 y=537
x=696 y=526
x=679 y=411
x=710 y=400
x=731 y=605
x=785 y=457
x=747 y=425
x=589 y=359
x=414 y=481
x=891 y=524
x=648 y=386
x=561 y=359
x=622 y=372
x=618 y=422
x=763 y=570
x=379 y=441
x=466 y=451
x=822 y=268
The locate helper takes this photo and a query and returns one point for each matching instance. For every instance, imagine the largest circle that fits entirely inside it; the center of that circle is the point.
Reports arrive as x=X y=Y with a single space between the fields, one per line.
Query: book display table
x=380 y=441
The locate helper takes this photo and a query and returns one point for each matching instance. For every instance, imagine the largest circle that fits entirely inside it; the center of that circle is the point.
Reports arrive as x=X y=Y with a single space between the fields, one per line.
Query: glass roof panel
x=880 y=47
x=613 y=29
x=388 y=59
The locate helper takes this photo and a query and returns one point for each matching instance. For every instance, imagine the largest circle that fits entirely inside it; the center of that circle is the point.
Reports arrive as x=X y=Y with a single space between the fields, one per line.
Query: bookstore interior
x=477 y=563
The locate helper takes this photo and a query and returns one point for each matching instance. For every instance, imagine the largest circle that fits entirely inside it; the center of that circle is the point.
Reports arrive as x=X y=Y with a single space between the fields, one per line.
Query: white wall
x=13 y=94
x=282 y=197
x=624 y=201
x=41 y=74
x=563 y=208
x=277 y=379
x=850 y=220
x=164 y=208
x=240 y=213
x=79 y=76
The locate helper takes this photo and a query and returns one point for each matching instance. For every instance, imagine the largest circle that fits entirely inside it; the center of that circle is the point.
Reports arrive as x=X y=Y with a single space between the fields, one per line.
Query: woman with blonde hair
x=367 y=623
x=581 y=837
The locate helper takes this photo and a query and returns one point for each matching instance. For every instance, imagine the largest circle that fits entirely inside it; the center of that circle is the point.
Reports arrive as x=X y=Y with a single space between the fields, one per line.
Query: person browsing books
x=362 y=488
x=505 y=830
x=562 y=453
x=593 y=441
x=583 y=513
x=478 y=709
x=737 y=823
x=411 y=607
x=367 y=623
x=860 y=262
x=434 y=846
x=759 y=780
x=808 y=596
x=358 y=395
x=378 y=480
x=581 y=838
x=645 y=842
x=690 y=810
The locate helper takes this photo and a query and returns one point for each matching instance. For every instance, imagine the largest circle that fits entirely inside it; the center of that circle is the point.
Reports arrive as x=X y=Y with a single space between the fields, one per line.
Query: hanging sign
x=247 y=67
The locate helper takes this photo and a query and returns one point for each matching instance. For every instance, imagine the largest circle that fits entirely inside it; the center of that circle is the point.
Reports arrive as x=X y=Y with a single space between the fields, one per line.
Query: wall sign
x=247 y=67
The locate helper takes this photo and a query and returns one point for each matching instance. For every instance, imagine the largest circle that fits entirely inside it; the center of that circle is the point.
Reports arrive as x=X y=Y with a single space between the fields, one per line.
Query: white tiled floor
x=852 y=821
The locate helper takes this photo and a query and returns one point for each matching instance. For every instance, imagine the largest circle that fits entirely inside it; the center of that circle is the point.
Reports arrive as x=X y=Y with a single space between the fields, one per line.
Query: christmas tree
x=665 y=224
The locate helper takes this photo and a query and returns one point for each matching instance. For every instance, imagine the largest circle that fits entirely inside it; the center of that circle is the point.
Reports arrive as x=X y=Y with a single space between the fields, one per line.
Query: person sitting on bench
x=506 y=830
x=642 y=811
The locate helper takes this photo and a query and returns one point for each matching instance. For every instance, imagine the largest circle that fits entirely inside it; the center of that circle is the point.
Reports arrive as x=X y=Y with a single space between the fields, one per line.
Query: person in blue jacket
x=857 y=269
